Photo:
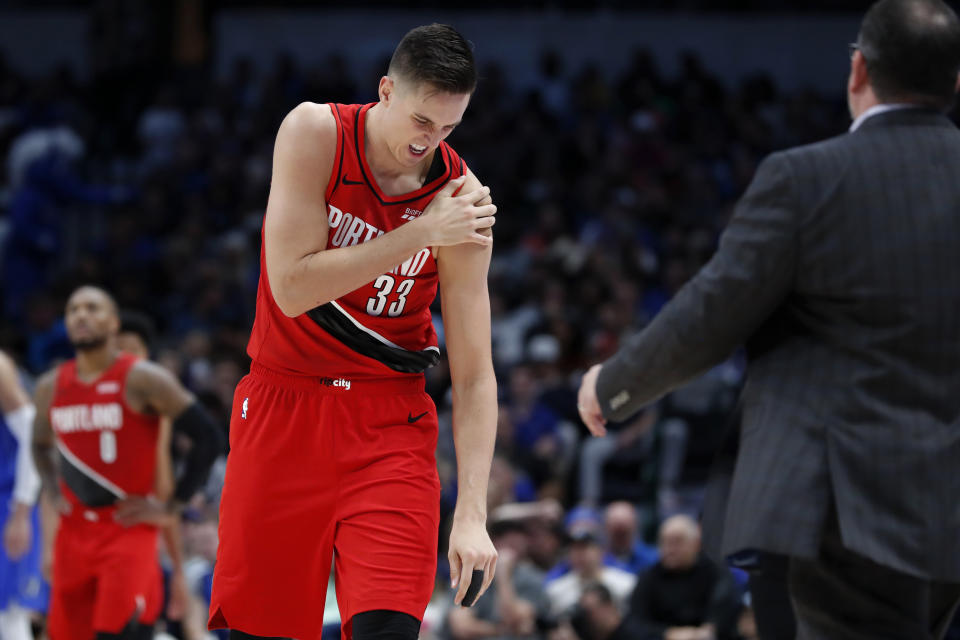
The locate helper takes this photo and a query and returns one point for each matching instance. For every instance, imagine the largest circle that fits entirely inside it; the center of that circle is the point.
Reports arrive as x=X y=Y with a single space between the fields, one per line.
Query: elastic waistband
x=79 y=512
x=335 y=384
x=80 y=516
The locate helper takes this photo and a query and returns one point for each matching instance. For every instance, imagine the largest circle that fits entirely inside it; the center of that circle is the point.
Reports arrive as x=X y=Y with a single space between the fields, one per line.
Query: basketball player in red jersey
x=332 y=436
x=101 y=413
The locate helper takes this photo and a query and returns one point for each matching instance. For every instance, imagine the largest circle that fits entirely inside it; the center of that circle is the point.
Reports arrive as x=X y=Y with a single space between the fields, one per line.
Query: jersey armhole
x=334 y=180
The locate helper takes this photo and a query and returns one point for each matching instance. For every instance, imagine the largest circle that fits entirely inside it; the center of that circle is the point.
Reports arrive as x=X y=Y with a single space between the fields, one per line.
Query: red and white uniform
x=105 y=576
x=332 y=436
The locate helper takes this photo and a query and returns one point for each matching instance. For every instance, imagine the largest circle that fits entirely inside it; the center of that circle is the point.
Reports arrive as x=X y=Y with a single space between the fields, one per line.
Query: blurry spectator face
x=600 y=612
x=522 y=385
x=226 y=375
x=172 y=361
x=502 y=482
x=545 y=544
x=132 y=343
x=514 y=540
x=91 y=318
x=679 y=543
x=586 y=556
x=415 y=118
x=505 y=430
x=620 y=523
x=201 y=539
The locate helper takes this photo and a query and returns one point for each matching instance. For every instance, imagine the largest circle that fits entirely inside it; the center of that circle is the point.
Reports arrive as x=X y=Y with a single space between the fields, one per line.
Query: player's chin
x=415 y=153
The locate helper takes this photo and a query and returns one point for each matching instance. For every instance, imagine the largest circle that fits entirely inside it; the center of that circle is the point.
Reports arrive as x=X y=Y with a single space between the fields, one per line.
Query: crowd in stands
x=611 y=193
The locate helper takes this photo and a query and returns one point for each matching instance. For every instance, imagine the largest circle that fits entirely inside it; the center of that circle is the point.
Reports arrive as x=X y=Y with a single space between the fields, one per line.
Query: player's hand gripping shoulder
x=455 y=219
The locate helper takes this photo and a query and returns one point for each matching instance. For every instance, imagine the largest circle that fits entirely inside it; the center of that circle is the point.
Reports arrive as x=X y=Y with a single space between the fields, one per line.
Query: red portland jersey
x=107 y=450
x=385 y=327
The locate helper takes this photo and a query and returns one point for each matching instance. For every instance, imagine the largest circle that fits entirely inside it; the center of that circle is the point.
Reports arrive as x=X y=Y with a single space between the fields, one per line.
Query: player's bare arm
x=12 y=394
x=465 y=304
x=152 y=389
x=43 y=456
x=19 y=414
x=302 y=272
x=43 y=438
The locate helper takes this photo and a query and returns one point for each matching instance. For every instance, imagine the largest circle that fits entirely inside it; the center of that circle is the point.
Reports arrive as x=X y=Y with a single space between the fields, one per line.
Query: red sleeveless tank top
x=384 y=328
x=107 y=450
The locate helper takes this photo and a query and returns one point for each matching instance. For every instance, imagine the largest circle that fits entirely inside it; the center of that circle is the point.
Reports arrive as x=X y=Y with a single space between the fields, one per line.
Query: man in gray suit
x=840 y=270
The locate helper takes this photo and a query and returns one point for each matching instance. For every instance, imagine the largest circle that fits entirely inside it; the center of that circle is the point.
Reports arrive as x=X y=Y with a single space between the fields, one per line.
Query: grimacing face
x=91 y=318
x=417 y=117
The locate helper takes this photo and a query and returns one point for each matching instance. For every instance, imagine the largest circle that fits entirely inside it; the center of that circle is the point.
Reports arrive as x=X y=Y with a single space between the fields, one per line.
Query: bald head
x=620 y=523
x=679 y=542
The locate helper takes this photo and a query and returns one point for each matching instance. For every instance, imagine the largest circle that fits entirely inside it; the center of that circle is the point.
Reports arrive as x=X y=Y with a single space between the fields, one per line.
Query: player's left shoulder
x=153 y=389
x=145 y=375
x=472 y=183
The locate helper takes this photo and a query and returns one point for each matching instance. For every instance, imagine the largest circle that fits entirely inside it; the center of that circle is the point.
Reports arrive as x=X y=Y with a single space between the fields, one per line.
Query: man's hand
x=588 y=405
x=682 y=633
x=140 y=510
x=17 y=532
x=470 y=550
x=454 y=219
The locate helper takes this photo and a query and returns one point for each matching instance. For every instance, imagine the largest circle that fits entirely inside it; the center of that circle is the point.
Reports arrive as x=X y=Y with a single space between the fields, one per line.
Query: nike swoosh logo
x=411 y=418
x=345 y=180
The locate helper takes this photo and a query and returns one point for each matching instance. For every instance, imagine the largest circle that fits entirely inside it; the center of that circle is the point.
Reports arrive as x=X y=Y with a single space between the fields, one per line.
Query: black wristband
x=196 y=424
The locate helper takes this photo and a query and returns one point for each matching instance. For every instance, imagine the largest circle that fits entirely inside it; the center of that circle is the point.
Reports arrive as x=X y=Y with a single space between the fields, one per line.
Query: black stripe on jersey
x=86 y=488
x=356 y=144
x=331 y=320
x=438 y=167
x=343 y=146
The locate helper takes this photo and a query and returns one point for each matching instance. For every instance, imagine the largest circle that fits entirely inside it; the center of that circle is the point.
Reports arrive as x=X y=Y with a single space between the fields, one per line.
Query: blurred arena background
x=615 y=135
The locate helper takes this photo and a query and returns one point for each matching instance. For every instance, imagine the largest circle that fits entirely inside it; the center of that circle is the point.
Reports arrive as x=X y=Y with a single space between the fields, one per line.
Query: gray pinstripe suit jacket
x=840 y=270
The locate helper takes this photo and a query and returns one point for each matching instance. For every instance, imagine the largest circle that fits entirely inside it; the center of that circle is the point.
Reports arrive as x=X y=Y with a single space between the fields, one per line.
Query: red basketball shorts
x=321 y=471
x=104 y=577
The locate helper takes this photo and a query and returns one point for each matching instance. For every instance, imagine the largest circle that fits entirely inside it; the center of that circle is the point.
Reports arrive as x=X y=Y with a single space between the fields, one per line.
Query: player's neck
x=91 y=363
x=380 y=159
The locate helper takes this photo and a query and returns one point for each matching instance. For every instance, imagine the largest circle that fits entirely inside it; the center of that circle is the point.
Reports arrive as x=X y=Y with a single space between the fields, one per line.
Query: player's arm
x=179 y=590
x=465 y=304
x=18 y=413
x=163 y=480
x=153 y=389
x=43 y=438
x=43 y=450
x=171 y=533
x=302 y=272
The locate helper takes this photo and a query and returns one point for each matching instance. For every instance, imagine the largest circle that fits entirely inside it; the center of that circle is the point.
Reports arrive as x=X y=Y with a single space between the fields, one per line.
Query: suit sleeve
x=749 y=276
